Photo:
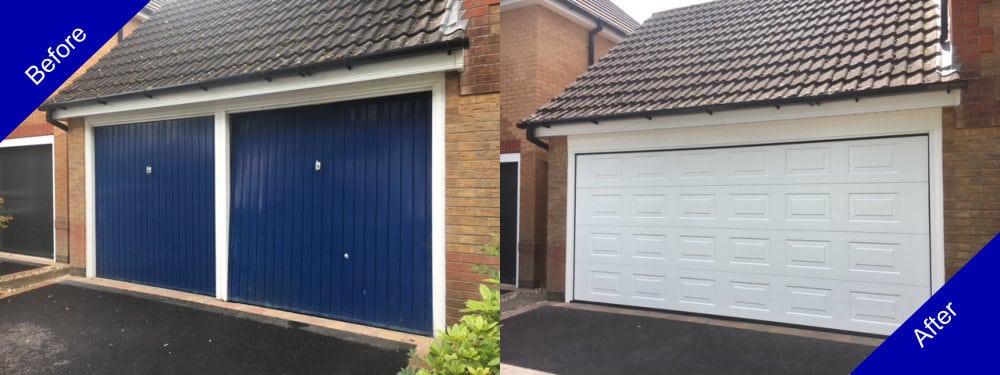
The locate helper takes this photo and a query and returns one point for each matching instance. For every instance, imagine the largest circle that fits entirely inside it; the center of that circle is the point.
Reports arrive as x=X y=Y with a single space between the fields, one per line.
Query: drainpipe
x=54 y=122
x=591 y=40
x=530 y=133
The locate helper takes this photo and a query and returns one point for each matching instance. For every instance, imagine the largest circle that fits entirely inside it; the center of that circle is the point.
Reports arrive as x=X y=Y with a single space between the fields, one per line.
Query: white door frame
x=515 y=157
x=220 y=110
x=910 y=122
x=38 y=141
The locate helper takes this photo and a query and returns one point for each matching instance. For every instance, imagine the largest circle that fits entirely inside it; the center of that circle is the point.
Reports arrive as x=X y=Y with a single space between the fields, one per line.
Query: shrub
x=471 y=346
x=4 y=219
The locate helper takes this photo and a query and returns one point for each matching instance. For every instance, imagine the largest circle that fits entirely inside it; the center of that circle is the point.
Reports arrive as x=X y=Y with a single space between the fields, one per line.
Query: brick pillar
x=76 y=196
x=532 y=211
x=972 y=135
x=556 y=242
x=61 y=175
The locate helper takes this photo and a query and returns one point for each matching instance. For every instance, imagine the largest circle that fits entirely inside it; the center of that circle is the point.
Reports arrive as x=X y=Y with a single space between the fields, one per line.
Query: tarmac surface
x=560 y=340
x=68 y=328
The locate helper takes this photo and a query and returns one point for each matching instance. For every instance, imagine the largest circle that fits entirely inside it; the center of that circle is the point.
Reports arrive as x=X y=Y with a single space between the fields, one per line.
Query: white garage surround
x=408 y=75
x=833 y=222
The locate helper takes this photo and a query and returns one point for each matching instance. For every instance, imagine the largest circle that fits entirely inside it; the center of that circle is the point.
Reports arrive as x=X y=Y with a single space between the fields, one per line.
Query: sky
x=642 y=9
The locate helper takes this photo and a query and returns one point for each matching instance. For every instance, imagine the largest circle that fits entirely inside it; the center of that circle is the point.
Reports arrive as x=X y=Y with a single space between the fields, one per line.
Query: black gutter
x=591 y=58
x=530 y=135
x=448 y=46
x=54 y=122
x=948 y=86
x=945 y=23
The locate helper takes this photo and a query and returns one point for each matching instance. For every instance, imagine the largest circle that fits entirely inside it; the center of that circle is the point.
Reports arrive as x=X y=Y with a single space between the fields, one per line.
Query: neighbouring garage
x=154 y=202
x=831 y=234
x=26 y=187
x=330 y=211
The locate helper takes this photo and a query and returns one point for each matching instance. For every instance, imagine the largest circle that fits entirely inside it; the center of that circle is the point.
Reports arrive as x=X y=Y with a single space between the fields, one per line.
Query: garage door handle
x=149 y=169
x=347 y=256
x=319 y=165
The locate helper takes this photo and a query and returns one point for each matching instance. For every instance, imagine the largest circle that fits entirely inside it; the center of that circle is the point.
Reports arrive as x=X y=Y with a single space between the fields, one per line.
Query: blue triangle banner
x=953 y=332
x=48 y=41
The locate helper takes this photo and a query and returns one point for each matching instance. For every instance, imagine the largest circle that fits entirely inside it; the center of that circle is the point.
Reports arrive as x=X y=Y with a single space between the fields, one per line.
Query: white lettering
x=34 y=74
x=55 y=54
x=921 y=335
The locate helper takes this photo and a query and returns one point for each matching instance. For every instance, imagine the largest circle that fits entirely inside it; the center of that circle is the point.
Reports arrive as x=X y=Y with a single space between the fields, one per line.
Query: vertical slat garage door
x=831 y=234
x=26 y=186
x=154 y=203
x=331 y=211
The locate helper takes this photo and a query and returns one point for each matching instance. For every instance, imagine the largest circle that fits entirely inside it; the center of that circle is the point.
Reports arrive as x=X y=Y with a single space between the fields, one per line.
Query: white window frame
x=516 y=158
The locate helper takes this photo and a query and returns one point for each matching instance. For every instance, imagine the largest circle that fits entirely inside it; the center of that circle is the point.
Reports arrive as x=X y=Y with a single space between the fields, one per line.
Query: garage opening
x=826 y=234
x=26 y=187
x=331 y=211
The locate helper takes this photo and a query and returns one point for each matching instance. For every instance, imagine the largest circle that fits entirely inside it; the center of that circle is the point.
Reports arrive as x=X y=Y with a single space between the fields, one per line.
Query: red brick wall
x=482 y=59
x=541 y=53
x=972 y=135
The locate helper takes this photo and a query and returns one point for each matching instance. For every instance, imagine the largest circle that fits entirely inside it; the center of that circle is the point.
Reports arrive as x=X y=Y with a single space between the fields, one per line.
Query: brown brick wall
x=77 y=202
x=541 y=53
x=472 y=137
x=482 y=59
x=972 y=135
x=556 y=243
x=473 y=189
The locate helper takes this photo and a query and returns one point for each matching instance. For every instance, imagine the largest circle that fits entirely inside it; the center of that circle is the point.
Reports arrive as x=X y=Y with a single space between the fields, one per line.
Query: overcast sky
x=642 y=9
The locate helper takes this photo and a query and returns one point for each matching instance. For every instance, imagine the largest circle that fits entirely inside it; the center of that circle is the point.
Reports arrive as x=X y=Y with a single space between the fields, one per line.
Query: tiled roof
x=754 y=52
x=608 y=12
x=194 y=42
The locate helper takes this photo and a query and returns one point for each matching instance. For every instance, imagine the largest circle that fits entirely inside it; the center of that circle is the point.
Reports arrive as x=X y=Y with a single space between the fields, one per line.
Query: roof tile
x=189 y=42
x=744 y=51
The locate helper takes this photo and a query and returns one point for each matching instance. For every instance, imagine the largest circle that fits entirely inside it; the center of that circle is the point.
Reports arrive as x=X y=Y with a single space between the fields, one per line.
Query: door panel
x=349 y=237
x=831 y=234
x=154 y=191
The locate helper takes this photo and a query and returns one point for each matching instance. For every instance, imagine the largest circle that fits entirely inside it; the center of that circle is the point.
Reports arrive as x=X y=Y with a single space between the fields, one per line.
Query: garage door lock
x=319 y=165
x=149 y=169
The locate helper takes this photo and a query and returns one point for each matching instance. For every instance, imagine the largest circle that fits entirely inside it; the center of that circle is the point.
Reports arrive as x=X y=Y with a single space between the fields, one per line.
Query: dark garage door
x=155 y=203
x=331 y=211
x=26 y=186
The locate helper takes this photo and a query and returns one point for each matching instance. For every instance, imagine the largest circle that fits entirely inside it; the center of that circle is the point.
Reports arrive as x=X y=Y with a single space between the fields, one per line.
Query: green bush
x=4 y=219
x=471 y=346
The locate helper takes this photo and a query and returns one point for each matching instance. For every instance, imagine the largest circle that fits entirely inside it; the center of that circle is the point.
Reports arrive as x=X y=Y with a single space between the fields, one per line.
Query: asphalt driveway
x=75 y=329
x=564 y=340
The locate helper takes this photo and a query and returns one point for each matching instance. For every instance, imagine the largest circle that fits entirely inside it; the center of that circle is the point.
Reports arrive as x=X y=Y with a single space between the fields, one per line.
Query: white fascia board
x=564 y=11
x=27 y=141
x=902 y=102
x=402 y=67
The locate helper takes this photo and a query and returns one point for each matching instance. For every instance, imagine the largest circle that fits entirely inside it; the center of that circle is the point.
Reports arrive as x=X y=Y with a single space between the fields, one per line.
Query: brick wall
x=482 y=59
x=556 y=242
x=972 y=135
x=541 y=53
x=472 y=137
x=76 y=208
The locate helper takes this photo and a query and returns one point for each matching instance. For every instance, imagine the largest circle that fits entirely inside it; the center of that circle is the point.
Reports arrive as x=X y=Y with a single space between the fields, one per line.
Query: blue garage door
x=331 y=211
x=155 y=203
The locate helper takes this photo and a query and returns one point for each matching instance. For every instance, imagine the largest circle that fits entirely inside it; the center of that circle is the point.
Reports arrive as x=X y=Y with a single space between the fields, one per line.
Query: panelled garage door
x=331 y=208
x=154 y=203
x=831 y=234
x=26 y=187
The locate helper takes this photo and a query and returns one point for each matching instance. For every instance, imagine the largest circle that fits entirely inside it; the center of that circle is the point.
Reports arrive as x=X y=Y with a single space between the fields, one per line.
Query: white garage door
x=831 y=234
